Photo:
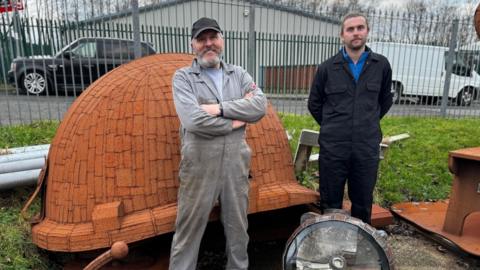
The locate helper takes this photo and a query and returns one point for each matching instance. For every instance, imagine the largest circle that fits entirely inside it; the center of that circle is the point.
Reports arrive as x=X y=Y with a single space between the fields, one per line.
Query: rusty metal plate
x=472 y=153
x=430 y=216
x=381 y=217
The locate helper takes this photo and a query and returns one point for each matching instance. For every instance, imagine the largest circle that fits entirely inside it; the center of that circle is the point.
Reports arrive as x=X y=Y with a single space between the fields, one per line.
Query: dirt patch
x=413 y=250
x=417 y=253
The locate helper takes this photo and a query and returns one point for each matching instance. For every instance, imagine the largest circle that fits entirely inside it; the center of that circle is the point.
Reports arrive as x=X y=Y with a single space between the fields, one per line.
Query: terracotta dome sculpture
x=112 y=170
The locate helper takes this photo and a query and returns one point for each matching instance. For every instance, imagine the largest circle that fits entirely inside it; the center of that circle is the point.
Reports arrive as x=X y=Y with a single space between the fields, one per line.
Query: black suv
x=75 y=67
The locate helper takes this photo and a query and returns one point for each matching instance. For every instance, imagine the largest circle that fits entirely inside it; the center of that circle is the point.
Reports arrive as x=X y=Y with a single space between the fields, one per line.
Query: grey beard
x=208 y=64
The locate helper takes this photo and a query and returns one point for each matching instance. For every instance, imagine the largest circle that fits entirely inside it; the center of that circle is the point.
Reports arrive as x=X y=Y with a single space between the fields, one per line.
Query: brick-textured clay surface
x=113 y=164
x=476 y=20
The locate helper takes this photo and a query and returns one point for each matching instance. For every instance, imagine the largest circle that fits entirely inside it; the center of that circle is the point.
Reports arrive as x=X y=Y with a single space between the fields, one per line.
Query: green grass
x=294 y=125
x=16 y=249
x=23 y=135
x=414 y=169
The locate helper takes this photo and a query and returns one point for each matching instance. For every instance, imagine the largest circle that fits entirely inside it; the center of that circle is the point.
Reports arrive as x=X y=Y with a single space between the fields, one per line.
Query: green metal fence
x=280 y=46
x=11 y=47
x=280 y=58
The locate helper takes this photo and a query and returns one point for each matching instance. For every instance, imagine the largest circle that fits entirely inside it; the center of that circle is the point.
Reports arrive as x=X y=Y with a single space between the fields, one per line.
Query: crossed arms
x=205 y=119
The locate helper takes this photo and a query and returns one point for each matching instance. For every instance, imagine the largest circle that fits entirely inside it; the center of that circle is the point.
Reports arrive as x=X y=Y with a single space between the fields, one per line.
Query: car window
x=144 y=50
x=130 y=50
x=121 y=49
x=87 y=49
x=147 y=50
x=115 y=49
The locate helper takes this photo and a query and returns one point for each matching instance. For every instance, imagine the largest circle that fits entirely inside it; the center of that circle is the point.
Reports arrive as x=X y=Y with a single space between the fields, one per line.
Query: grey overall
x=215 y=161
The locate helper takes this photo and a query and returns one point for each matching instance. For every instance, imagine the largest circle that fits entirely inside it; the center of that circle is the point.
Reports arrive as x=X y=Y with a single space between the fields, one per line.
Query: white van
x=419 y=71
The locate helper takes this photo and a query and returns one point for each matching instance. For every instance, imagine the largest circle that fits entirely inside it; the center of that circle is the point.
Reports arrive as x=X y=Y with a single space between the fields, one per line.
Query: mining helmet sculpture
x=112 y=169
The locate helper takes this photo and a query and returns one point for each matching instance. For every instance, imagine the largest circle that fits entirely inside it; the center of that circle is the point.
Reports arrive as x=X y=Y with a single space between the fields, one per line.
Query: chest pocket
x=231 y=88
x=373 y=90
x=204 y=94
x=373 y=87
x=336 y=94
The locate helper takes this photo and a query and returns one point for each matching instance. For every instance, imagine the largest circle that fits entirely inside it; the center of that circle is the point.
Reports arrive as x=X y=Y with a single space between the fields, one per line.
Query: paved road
x=299 y=106
x=16 y=109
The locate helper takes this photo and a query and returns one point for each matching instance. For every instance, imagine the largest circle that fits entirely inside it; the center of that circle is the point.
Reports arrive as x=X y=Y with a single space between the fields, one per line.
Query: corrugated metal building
x=276 y=43
x=232 y=15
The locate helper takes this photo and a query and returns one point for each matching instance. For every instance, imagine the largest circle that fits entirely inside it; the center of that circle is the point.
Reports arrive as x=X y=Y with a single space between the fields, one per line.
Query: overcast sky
x=390 y=3
x=468 y=6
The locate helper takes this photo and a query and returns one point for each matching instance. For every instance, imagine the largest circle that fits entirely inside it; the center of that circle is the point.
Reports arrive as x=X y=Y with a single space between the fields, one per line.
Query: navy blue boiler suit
x=349 y=114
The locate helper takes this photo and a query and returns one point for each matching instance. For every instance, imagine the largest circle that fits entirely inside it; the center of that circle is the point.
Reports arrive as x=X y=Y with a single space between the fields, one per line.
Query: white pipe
x=24 y=149
x=23 y=156
x=22 y=165
x=15 y=179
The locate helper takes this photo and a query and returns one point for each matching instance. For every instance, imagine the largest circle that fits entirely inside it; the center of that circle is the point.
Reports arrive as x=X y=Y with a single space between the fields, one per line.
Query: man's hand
x=248 y=95
x=212 y=109
x=237 y=123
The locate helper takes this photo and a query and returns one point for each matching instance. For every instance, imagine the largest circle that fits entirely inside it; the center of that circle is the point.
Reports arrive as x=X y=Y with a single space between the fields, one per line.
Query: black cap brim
x=204 y=29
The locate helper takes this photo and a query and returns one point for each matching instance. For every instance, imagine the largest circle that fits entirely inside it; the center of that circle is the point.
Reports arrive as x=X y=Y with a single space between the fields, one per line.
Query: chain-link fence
x=47 y=61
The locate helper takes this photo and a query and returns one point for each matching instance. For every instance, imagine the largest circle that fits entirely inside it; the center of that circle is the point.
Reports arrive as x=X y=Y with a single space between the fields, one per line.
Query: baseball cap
x=203 y=24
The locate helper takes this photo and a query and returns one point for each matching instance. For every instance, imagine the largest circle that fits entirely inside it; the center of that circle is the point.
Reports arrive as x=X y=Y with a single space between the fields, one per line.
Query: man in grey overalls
x=214 y=101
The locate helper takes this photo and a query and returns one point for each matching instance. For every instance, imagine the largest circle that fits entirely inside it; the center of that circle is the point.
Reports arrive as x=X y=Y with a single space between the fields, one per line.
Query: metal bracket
x=308 y=139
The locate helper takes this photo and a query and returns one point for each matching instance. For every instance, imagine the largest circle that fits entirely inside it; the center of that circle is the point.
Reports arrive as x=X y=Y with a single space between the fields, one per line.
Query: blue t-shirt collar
x=362 y=58
x=356 y=69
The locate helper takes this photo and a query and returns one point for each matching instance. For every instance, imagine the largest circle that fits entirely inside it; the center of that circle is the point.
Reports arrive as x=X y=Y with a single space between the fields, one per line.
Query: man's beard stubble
x=210 y=63
x=356 y=47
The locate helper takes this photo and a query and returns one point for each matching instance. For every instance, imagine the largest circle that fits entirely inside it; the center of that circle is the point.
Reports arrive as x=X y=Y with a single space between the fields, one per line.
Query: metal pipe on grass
x=16 y=179
x=22 y=165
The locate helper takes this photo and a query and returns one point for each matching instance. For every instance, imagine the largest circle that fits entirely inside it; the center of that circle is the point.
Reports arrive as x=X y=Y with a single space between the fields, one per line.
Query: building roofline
x=296 y=11
x=169 y=3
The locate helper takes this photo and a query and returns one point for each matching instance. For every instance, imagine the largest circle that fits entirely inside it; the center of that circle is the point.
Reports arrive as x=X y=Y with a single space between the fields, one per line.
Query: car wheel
x=465 y=97
x=396 y=92
x=34 y=83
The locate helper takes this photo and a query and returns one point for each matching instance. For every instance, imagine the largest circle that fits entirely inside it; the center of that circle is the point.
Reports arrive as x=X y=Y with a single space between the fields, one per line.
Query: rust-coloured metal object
x=431 y=216
x=113 y=164
x=459 y=219
x=381 y=217
x=476 y=20
x=465 y=196
x=119 y=250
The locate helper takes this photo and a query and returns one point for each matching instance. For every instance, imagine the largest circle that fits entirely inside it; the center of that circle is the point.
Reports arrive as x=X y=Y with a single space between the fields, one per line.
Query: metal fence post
x=251 y=40
x=448 y=72
x=136 y=29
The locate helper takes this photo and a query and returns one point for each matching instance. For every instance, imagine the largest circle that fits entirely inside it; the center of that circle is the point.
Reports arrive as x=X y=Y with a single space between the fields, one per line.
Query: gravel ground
x=411 y=250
